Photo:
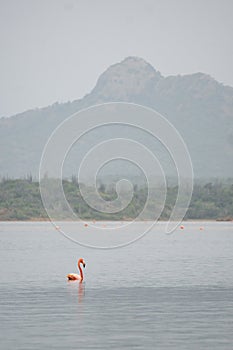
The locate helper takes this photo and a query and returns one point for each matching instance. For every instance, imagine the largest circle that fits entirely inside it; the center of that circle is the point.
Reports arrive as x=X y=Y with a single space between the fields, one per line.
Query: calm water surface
x=162 y=292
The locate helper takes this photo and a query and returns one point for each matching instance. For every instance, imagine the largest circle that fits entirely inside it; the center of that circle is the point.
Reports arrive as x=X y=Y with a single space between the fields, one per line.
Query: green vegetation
x=212 y=201
x=20 y=200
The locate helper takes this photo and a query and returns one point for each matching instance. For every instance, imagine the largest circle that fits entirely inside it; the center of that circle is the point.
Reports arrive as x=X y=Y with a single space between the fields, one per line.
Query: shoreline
x=94 y=220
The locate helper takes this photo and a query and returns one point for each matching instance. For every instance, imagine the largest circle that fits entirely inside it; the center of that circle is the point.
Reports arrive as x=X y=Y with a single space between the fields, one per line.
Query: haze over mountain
x=197 y=105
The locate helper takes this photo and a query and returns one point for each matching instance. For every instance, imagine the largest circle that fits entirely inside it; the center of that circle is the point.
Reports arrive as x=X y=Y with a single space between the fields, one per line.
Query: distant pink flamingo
x=75 y=276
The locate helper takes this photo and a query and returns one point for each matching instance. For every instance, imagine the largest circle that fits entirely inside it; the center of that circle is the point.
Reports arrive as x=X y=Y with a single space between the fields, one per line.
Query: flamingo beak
x=84 y=264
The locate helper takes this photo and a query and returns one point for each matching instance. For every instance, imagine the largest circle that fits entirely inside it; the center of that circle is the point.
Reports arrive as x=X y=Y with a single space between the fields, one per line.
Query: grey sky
x=54 y=50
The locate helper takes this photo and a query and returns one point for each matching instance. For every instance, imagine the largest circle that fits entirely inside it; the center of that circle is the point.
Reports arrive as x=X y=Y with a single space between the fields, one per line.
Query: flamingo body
x=73 y=277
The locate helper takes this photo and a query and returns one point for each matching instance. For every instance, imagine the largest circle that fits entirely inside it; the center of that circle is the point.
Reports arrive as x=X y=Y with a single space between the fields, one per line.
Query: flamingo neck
x=81 y=271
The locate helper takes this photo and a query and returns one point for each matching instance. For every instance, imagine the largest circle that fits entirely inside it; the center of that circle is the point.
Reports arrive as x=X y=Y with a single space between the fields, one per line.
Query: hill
x=197 y=105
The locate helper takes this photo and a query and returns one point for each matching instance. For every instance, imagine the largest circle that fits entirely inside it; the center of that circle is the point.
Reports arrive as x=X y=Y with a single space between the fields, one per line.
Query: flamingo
x=75 y=276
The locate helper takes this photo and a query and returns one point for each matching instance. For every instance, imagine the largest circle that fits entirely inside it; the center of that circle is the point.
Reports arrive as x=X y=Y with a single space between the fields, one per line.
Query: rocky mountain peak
x=126 y=79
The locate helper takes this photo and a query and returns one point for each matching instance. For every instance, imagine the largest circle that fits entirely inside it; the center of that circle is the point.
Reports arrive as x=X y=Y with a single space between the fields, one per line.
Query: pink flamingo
x=75 y=276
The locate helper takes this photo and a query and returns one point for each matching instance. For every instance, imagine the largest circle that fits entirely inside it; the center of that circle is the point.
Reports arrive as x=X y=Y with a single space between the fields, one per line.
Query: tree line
x=20 y=199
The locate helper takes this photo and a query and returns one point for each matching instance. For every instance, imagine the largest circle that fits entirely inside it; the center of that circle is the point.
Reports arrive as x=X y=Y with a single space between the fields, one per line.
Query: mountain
x=197 y=105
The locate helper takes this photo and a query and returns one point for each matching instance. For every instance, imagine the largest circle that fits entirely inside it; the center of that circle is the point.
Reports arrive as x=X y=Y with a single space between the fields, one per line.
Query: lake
x=161 y=292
